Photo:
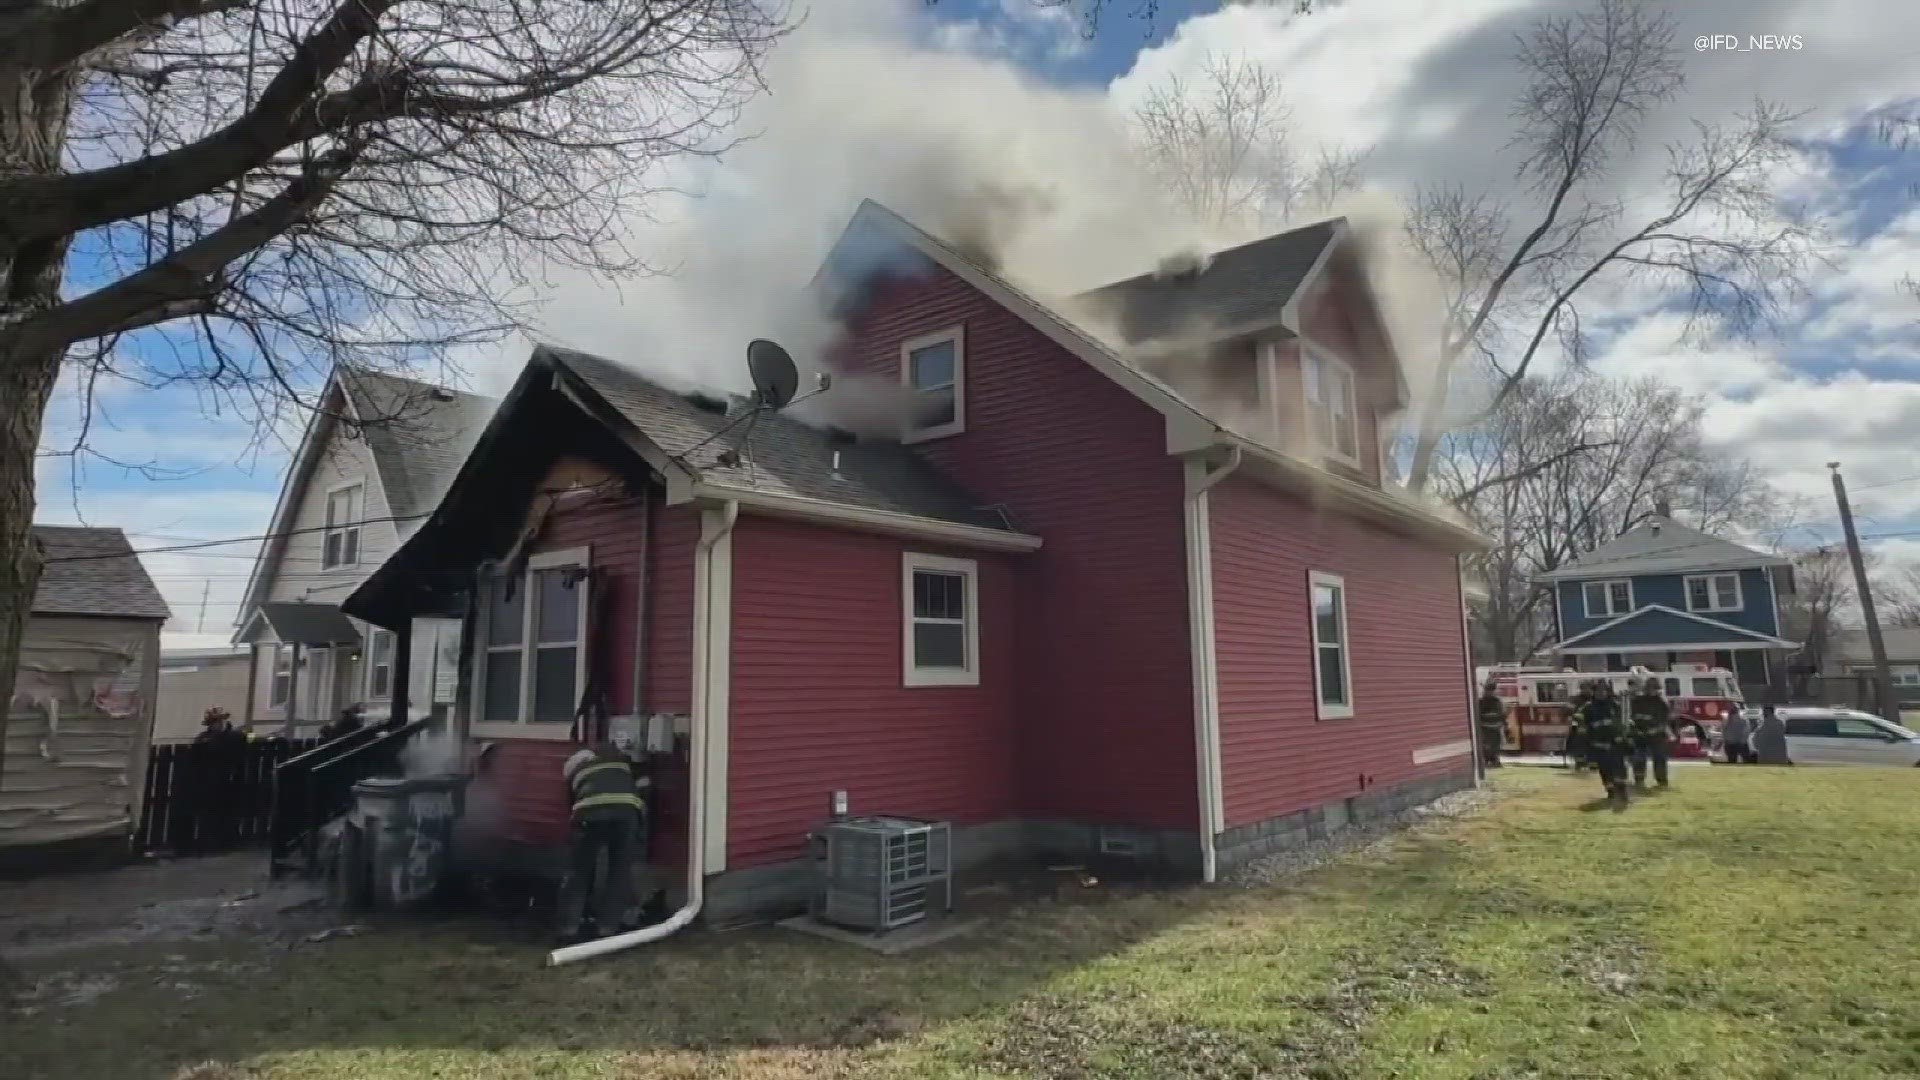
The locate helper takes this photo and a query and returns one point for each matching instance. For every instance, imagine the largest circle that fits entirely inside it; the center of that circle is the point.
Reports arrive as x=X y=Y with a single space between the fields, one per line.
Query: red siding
x=521 y=786
x=1106 y=699
x=1409 y=666
x=818 y=703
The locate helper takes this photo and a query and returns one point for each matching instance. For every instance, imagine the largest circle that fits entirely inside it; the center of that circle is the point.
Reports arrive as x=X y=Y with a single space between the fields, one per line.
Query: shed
x=80 y=714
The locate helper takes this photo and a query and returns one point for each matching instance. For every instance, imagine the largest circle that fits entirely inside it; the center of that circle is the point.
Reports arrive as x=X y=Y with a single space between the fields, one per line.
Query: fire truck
x=1540 y=703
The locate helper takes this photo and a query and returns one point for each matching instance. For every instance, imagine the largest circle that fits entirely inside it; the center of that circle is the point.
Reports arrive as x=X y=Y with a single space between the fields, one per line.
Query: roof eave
x=1576 y=572
x=888 y=522
x=1359 y=499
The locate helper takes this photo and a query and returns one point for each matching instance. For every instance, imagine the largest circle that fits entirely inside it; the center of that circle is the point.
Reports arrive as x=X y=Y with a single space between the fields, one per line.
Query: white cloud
x=1651 y=347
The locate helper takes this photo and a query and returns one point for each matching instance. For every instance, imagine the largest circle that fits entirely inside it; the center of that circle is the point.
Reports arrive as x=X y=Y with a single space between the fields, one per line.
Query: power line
x=239 y=539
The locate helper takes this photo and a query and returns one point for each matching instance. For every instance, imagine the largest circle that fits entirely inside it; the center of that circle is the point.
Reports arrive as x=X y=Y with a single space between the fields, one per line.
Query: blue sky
x=1422 y=86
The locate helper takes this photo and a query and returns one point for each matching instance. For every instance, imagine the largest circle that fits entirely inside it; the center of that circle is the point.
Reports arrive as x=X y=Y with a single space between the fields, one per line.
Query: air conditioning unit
x=878 y=873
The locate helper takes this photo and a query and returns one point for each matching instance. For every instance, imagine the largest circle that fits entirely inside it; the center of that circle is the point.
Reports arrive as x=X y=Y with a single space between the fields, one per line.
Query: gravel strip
x=1282 y=866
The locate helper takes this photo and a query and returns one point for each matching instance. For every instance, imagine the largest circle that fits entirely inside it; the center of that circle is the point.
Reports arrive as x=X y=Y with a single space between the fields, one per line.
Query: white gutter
x=887 y=521
x=697 y=770
x=1206 y=675
x=1357 y=497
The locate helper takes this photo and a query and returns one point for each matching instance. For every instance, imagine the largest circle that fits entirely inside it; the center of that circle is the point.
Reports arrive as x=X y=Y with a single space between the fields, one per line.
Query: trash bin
x=405 y=827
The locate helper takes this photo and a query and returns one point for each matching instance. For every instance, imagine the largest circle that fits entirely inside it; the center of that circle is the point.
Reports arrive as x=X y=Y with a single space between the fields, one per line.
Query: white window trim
x=521 y=727
x=1311 y=353
x=1606 y=588
x=282 y=658
x=1713 y=594
x=357 y=525
x=373 y=663
x=958 y=336
x=1320 y=707
x=917 y=676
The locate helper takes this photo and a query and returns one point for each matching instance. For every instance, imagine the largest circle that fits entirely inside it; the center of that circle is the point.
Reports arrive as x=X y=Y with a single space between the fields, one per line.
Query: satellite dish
x=774 y=377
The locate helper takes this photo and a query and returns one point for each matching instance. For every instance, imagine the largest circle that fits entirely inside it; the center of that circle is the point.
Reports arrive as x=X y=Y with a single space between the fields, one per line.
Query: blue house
x=1664 y=594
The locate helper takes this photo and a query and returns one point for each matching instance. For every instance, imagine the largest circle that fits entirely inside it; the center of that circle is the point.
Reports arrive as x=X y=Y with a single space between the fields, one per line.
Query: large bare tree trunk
x=33 y=124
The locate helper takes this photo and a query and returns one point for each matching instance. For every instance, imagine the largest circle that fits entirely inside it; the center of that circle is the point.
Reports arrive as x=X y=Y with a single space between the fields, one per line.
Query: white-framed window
x=1906 y=674
x=940 y=609
x=1332 y=666
x=1332 y=404
x=534 y=631
x=1605 y=599
x=346 y=505
x=380 y=665
x=282 y=687
x=933 y=368
x=1713 y=592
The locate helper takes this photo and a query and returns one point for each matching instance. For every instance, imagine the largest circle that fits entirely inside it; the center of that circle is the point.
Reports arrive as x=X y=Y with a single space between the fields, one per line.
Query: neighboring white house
x=197 y=672
x=1852 y=655
x=374 y=461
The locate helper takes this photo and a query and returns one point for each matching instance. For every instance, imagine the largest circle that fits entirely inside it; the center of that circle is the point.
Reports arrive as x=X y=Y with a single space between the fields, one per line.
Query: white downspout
x=697 y=780
x=1206 y=715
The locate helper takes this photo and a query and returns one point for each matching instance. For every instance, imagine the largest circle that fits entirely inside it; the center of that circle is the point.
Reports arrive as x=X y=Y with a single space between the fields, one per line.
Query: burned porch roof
x=777 y=455
x=1241 y=288
x=93 y=572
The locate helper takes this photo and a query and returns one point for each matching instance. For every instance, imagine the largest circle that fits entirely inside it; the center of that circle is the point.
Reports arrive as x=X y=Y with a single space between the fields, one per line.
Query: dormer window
x=1331 y=405
x=933 y=369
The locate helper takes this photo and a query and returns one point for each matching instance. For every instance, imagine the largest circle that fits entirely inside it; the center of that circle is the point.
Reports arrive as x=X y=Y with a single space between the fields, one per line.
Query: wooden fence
x=204 y=797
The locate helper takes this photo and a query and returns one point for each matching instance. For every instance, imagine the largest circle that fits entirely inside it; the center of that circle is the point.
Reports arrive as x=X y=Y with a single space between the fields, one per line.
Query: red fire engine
x=1539 y=703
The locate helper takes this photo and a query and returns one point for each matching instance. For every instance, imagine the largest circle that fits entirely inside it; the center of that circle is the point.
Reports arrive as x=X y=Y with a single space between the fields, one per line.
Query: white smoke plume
x=860 y=103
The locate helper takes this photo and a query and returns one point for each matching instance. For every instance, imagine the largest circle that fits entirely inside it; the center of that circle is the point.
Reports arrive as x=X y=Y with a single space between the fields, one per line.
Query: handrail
x=317 y=786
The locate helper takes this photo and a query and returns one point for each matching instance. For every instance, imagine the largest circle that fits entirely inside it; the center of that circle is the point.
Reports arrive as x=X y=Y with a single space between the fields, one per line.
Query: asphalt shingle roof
x=418 y=435
x=782 y=456
x=93 y=572
x=1662 y=547
x=1243 y=286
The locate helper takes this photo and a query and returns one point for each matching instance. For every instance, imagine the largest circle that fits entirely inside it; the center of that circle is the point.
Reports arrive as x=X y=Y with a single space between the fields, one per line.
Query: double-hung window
x=282 y=687
x=933 y=370
x=345 y=508
x=1332 y=667
x=1331 y=405
x=380 y=665
x=1713 y=592
x=534 y=642
x=1605 y=599
x=941 y=631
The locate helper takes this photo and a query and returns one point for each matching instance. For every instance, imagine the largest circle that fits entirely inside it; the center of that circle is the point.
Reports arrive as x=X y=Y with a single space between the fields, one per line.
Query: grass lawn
x=1751 y=923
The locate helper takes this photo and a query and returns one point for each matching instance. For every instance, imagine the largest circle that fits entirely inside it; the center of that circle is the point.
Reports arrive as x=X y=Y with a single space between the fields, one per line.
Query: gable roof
x=780 y=455
x=92 y=571
x=1661 y=546
x=1672 y=627
x=1239 y=289
x=416 y=434
x=417 y=447
x=1189 y=428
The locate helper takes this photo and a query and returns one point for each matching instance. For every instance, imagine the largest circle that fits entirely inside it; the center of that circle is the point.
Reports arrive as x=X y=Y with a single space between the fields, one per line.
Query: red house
x=1142 y=594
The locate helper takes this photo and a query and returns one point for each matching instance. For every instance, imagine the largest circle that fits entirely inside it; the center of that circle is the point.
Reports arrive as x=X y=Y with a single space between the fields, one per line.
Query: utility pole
x=1882 y=674
x=205 y=588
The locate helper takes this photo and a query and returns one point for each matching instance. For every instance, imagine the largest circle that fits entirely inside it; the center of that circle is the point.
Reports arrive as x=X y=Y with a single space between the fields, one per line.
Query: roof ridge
x=1216 y=253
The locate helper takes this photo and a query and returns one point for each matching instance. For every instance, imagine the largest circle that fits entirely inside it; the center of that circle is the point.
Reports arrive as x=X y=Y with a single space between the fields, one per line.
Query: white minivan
x=1829 y=735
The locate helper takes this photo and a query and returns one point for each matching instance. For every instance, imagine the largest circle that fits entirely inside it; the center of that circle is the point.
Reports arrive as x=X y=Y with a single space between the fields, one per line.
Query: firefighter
x=1652 y=733
x=610 y=819
x=1492 y=717
x=1576 y=744
x=1609 y=739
